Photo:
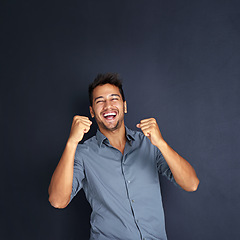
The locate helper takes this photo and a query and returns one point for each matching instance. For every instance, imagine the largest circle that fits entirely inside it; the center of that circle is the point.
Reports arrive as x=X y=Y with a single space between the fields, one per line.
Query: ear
x=91 y=111
x=125 y=107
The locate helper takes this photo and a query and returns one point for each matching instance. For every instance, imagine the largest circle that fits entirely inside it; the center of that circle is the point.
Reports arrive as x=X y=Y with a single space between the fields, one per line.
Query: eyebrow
x=112 y=95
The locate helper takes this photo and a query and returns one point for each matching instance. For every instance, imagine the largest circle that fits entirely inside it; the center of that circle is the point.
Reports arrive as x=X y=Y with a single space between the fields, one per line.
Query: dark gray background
x=179 y=61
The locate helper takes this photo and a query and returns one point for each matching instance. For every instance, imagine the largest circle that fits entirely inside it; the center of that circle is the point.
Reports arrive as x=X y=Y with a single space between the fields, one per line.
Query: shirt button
x=132 y=200
x=128 y=181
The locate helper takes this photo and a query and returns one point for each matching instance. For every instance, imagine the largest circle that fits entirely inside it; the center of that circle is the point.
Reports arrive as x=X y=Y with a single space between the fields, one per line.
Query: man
x=118 y=168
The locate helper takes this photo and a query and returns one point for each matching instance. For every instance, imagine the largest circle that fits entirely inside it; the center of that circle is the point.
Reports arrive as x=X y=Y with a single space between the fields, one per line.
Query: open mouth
x=110 y=115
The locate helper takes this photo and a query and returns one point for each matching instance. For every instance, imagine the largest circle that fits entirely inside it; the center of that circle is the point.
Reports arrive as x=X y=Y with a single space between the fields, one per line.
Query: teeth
x=109 y=114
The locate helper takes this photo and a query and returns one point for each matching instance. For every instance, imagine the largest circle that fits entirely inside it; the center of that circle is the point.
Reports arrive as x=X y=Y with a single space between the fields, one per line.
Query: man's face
x=108 y=107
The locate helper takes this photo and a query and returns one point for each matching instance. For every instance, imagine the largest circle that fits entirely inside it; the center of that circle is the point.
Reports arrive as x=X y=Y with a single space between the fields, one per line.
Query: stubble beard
x=112 y=128
x=102 y=125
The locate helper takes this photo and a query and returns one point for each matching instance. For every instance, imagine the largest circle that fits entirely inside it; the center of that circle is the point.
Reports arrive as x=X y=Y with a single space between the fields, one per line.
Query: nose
x=108 y=104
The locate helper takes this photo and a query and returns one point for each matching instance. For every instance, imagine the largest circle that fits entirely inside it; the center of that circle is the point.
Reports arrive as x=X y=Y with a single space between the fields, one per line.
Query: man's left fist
x=151 y=130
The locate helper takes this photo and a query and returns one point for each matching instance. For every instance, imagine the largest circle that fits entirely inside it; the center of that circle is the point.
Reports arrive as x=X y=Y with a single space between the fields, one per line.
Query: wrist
x=71 y=143
x=161 y=144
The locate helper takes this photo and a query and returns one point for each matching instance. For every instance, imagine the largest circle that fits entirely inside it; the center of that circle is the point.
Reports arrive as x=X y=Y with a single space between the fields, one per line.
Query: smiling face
x=108 y=107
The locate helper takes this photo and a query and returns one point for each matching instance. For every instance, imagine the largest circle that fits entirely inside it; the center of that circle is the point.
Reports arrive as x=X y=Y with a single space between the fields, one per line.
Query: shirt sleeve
x=163 y=167
x=78 y=175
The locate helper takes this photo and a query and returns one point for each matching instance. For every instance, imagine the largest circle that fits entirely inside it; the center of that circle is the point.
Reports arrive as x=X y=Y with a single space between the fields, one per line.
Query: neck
x=117 y=138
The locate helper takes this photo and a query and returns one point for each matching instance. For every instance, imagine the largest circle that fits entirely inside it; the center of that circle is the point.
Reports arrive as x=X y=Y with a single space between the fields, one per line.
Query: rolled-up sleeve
x=163 y=167
x=78 y=175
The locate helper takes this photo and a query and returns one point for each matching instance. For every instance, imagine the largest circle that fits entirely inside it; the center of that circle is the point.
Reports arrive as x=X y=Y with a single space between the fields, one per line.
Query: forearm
x=182 y=171
x=60 y=187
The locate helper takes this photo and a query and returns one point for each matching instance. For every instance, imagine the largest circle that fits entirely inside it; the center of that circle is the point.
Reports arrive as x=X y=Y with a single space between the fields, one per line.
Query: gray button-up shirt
x=123 y=190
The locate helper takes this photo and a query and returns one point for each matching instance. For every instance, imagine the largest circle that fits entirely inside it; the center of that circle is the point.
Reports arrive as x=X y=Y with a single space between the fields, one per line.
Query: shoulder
x=85 y=147
x=144 y=141
x=139 y=137
x=136 y=134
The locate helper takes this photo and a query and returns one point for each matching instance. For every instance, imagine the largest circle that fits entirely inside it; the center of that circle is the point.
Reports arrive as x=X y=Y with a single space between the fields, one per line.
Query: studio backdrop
x=179 y=62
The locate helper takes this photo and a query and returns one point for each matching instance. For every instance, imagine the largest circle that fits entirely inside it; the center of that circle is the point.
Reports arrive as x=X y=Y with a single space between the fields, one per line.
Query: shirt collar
x=101 y=138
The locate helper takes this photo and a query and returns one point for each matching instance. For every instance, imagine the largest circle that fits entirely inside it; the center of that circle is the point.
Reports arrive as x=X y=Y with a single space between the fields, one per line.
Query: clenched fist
x=151 y=130
x=80 y=126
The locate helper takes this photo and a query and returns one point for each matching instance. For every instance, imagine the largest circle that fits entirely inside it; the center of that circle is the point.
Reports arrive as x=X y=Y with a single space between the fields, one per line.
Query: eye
x=99 y=101
x=114 y=99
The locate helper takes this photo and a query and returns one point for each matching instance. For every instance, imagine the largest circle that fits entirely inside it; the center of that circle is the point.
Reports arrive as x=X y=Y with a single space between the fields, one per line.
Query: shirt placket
x=128 y=183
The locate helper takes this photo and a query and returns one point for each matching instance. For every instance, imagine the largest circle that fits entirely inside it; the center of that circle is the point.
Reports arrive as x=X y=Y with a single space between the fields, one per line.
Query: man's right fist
x=80 y=126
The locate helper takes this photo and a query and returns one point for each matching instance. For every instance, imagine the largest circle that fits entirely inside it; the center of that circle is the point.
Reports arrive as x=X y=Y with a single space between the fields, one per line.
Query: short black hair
x=101 y=79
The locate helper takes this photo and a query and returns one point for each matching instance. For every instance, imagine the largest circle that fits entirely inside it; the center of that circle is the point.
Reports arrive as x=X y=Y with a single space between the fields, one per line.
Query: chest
x=113 y=171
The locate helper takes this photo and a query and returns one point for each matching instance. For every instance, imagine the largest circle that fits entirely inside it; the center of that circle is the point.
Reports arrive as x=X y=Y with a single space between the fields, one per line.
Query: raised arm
x=182 y=171
x=60 y=187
